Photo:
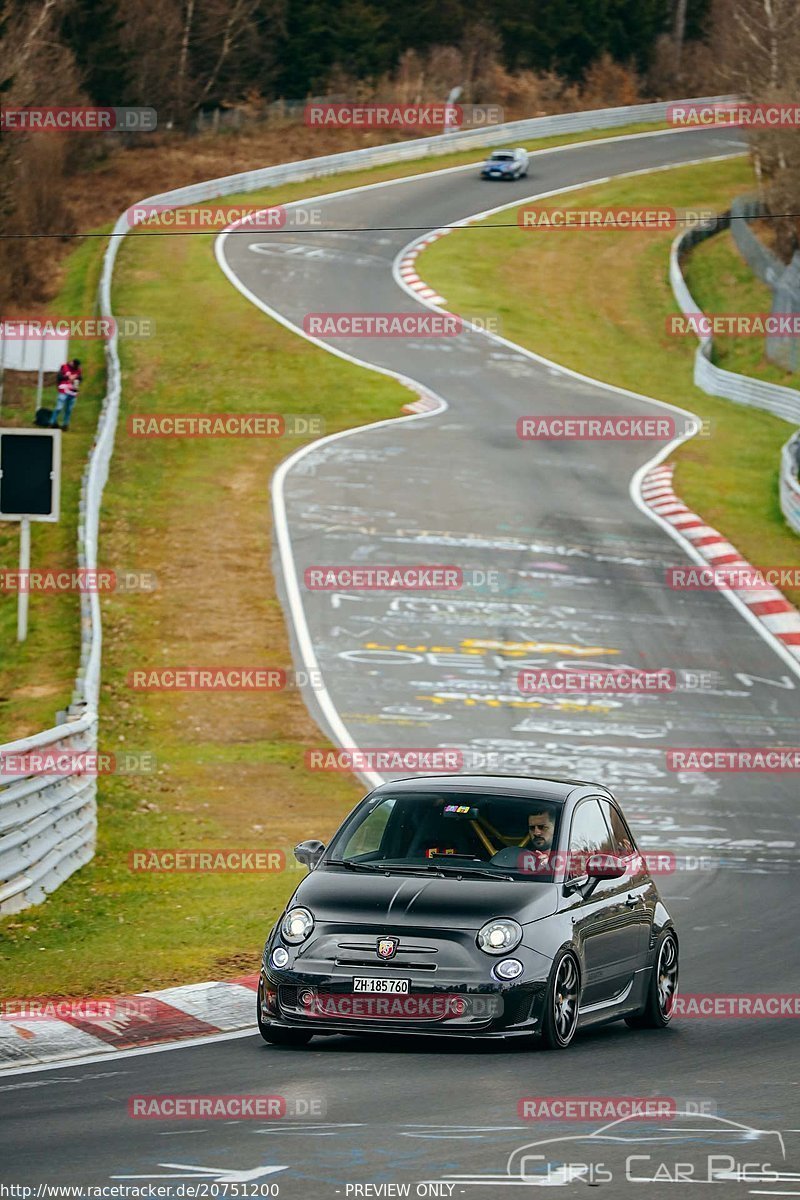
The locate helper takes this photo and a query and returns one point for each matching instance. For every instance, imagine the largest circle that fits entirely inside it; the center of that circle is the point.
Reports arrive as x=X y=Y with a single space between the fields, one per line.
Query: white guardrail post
x=783 y=402
x=48 y=823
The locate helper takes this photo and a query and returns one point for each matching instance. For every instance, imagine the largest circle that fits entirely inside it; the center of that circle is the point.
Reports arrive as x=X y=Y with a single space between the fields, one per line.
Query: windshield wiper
x=465 y=872
x=383 y=868
x=351 y=865
x=440 y=869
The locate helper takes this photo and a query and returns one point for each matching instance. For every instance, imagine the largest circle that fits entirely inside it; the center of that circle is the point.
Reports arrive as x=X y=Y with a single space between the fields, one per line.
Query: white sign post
x=24 y=567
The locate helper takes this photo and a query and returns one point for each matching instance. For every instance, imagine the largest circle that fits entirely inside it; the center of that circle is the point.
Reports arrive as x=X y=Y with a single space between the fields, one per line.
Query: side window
x=589 y=835
x=624 y=844
x=368 y=837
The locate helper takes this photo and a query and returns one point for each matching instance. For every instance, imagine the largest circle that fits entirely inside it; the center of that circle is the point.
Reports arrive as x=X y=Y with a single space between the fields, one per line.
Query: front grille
x=372 y=943
x=399 y=964
x=287 y=996
x=516 y=1008
x=368 y=956
x=517 y=1005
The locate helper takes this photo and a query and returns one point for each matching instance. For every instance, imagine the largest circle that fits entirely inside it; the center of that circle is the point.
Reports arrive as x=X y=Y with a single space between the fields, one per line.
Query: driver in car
x=533 y=853
x=541 y=827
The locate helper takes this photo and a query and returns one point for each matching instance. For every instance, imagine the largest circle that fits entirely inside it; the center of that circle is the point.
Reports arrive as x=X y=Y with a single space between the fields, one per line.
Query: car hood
x=337 y=895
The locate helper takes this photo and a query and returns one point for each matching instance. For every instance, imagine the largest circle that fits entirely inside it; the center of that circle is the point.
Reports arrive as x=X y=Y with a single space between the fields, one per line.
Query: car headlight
x=499 y=936
x=296 y=925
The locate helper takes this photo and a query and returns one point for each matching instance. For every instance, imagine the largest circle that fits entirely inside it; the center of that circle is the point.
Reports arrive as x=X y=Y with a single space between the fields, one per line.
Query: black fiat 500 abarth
x=476 y=906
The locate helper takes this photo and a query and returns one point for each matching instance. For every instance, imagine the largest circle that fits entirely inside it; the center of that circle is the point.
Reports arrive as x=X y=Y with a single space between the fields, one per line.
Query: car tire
x=562 y=998
x=662 y=987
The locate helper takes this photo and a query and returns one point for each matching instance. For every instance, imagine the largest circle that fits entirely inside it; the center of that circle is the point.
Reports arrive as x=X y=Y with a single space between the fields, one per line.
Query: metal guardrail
x=783 y=280
x=783 y=402
x=48 y=824
x=760 y=259
x=789 y=485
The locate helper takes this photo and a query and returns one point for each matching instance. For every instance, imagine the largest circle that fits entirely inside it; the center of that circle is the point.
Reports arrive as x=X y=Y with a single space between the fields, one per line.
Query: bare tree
x=36 y=70
x=756 y=47
x=757 y=44
x=679 y=34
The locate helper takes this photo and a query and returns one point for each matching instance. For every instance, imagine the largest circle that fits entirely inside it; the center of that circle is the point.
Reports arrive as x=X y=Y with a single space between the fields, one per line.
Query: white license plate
x=368 y=983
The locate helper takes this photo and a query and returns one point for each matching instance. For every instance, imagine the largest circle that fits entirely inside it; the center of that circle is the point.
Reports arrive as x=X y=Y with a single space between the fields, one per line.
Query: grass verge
x=37 y=676
x=598 y=301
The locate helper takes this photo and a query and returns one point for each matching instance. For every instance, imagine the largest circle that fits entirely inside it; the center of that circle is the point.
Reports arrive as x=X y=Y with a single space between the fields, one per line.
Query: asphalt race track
x=562 y=569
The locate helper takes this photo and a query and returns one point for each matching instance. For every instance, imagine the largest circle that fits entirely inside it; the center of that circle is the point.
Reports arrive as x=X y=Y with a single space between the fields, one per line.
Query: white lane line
x=336 y=726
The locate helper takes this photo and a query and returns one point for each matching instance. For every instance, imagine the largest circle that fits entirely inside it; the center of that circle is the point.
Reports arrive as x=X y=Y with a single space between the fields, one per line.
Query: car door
x=606 y=925
x=641 y=892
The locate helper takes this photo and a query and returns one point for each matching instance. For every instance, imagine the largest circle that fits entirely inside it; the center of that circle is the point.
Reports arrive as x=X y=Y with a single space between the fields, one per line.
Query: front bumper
x=328 y=1004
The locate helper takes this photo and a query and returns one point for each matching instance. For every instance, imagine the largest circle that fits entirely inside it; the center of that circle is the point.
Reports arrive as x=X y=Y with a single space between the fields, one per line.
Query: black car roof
x=518 y=785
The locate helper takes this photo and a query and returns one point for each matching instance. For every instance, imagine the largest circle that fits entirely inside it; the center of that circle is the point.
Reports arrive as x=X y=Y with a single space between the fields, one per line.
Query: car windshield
x=488 y=834
x=502 y=157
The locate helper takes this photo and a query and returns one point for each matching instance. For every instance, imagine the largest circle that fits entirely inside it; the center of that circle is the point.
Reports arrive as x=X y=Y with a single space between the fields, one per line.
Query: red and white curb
x=425 y=404
x=94 y=1027
x=408 y=271
x=769 y=605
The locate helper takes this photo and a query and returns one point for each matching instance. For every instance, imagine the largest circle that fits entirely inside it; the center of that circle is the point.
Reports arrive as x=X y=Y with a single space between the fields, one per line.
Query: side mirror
x=605 y=866
x=309 y=852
